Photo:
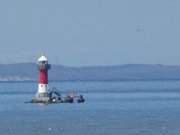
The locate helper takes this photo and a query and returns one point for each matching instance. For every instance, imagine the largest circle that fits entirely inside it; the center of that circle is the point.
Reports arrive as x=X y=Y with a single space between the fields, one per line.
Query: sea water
x=111 y=108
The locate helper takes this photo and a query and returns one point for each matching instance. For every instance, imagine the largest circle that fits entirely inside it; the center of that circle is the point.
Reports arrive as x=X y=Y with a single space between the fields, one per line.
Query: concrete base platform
x=40 y=100
x=54 y=97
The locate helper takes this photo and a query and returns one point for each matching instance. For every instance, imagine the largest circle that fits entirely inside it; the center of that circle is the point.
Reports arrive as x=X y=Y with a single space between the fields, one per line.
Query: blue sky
x=90 y=32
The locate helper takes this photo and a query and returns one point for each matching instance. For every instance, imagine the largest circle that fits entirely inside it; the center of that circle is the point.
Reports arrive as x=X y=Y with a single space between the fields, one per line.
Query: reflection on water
x=111 y=108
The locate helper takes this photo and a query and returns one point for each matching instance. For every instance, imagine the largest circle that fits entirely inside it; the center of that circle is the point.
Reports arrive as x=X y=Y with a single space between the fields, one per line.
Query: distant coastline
x=129 y=72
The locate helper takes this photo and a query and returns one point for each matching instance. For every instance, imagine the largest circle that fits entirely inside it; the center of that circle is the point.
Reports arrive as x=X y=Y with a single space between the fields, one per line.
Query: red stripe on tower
x=43 y=76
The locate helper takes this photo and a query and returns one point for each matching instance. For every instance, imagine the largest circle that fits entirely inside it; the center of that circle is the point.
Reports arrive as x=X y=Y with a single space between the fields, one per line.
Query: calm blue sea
x=111 y=108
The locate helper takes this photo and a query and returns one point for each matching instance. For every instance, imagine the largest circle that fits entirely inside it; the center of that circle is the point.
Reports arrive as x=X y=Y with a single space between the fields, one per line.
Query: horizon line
x=95 y=65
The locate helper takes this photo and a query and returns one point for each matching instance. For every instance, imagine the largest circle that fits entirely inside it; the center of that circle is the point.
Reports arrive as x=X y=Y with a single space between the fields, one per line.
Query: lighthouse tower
x=43 y=67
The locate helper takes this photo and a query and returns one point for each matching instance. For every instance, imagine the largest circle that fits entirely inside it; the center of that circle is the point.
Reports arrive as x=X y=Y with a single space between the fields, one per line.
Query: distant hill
x=28 y=72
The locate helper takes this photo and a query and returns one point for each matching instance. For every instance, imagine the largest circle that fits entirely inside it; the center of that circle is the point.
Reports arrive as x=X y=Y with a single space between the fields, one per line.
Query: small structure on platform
x=46 y=95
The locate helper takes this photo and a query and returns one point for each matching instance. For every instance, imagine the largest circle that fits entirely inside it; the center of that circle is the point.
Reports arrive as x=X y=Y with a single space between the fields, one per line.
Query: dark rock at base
x=68 y=99
x=80 y=99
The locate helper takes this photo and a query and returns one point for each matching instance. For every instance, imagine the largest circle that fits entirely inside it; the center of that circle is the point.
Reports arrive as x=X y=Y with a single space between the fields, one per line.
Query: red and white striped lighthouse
x=43 y=68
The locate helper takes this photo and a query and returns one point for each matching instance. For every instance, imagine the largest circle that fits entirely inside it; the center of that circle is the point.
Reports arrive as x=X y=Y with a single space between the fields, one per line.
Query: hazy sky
x=90 y=32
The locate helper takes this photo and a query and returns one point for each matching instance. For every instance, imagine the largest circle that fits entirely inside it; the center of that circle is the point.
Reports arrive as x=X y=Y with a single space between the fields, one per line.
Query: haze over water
x=111 y=108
